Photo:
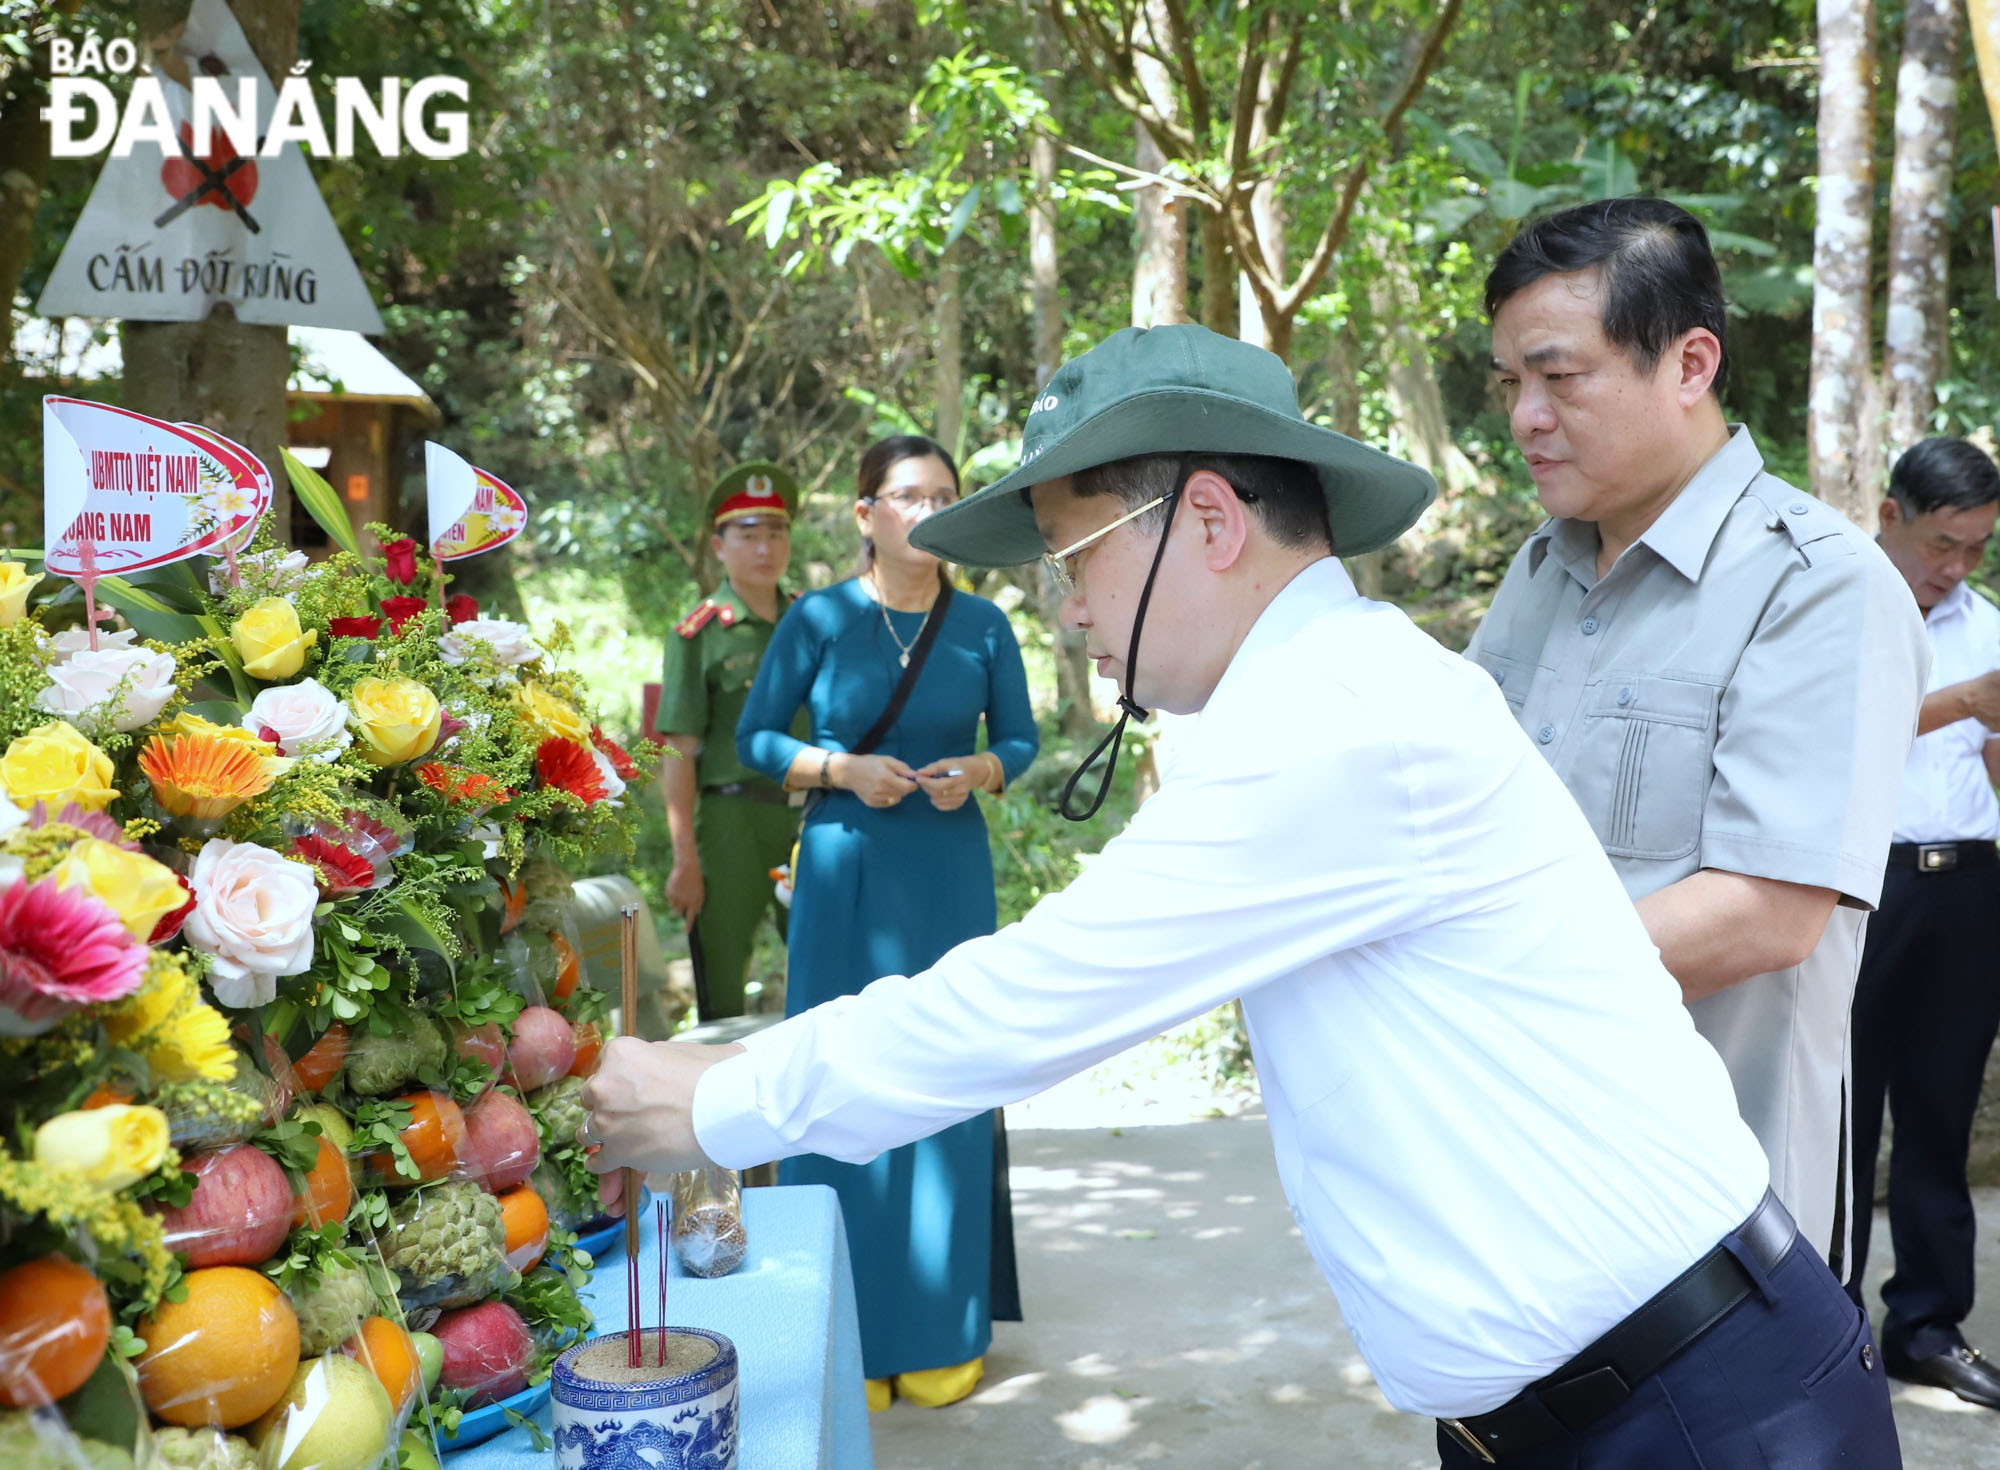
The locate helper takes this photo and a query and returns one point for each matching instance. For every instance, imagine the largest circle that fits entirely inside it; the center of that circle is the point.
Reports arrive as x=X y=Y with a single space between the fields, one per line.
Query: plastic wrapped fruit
x=434 y=1136
x=447 y=1245
x=483 y=1044
x=24 y=1447
x=329 y=1189
x=54 y=1322
x=391 y=1356
x=378 y=1065
x=223 y=1354
x=526 y=1220
x=329 y=1312
x=487 y=1349
x=332 y=1415
x=502 y=1144
x=543 y=1048
x=201 y=1449
x=239 y=1214
x=589 y=1046
x=321 y=1062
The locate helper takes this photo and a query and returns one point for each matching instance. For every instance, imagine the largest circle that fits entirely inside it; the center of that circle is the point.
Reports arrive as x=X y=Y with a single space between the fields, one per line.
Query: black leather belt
x=1942 y=857
x=1605 y=1374
x=768 y=792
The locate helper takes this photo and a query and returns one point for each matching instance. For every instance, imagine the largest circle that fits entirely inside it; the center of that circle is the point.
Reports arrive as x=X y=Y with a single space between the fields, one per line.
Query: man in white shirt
x=1928 y=999
x=1506 y=1147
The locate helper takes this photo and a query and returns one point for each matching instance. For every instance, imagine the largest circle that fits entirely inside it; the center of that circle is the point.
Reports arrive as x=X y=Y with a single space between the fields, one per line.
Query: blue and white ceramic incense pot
x=687 y=1422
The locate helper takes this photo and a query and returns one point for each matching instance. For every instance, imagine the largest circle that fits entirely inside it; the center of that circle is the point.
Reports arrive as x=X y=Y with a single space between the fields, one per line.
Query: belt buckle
x=1467 y=1440
x=1936 y=857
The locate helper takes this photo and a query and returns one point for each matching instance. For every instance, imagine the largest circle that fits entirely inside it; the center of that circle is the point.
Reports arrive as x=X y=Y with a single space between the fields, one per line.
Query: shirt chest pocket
x=1513 y=675
x=1645 y=756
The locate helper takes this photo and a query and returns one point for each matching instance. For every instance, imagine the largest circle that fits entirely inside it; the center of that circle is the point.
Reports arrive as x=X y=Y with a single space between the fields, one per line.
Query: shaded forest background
x=696 y=232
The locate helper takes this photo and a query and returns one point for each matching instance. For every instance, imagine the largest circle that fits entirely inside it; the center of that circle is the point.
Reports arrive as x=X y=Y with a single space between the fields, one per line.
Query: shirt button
x=1867 y=1357
x=1546 y=734
x=1625 y=696
x=1589 y=626
x=1500 y=676
x=1797 y=507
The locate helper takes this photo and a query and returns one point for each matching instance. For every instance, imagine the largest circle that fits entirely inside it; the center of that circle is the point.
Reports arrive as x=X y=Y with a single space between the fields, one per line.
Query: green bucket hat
x=1166 y=390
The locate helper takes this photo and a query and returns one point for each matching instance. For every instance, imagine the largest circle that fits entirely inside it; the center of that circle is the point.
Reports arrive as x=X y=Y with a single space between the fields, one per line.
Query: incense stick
x=628 y=994
x=660 y=1239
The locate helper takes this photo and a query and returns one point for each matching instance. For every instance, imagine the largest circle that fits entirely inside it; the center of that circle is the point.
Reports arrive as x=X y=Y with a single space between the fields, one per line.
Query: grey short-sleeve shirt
x=1738 y=692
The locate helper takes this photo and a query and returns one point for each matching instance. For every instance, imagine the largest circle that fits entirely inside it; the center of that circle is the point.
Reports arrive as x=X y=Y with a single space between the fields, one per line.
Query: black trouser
x=1925 y=1009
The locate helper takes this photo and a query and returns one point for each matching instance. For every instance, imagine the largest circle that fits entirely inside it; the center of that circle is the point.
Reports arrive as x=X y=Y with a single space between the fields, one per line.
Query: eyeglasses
x=1062 y=564
x=904 y=501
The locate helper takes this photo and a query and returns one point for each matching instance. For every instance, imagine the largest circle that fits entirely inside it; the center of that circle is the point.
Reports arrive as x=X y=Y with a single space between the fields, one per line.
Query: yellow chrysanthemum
x=166 y=1021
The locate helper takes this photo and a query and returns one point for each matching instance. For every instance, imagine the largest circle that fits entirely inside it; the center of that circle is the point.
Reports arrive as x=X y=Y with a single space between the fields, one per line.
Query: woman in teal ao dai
x=893 y=870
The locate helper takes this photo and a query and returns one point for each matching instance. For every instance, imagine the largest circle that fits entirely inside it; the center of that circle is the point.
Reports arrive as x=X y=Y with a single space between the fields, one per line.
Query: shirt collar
x=1953 y=605
x=727 y=596
x=1685 y=530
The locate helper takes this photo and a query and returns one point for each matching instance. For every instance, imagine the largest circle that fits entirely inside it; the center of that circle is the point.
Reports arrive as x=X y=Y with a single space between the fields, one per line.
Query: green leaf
x=962 y=215
x=415 y=929
x=1730 y=240
x=320 y=502
x=777 y=217
x=1007 y=195
x=1478 y=155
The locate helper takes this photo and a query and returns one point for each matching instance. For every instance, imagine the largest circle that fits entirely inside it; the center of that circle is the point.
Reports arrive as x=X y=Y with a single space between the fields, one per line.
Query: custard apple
x=564 y=1208
x=24 y=1447
x=448 y=1245
x=200 y=1449
x=379 y=1065
x=560 y=1111
x=331 y=1312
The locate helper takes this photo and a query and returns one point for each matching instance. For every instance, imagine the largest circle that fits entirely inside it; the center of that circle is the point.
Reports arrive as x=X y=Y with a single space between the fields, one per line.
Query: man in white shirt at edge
x=1927 y=1002
x=1499 y=1133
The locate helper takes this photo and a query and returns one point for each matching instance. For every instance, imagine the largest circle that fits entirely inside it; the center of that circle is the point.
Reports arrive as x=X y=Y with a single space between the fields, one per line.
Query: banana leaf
x=320 y=502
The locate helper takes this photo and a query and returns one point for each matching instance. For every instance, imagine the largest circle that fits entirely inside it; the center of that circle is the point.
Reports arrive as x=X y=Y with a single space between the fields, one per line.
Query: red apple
x=483 y=1044
x=543 y=1049
x=487 y=1350
x=239 y=1213
x=502 y=1144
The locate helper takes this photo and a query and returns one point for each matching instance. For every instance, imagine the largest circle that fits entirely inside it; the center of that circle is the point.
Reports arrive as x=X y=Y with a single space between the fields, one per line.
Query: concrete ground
x=1175 y=1319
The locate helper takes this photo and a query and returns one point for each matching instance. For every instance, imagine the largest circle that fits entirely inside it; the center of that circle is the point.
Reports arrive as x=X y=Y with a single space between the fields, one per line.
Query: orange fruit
x=329 y=1189
x=526 y=1220
x=54 y=1322
x=435 y=1137
x=589 y=1042
x=322 y=1060
x=221 y=1355
x=391 y=1356
x=569 y=966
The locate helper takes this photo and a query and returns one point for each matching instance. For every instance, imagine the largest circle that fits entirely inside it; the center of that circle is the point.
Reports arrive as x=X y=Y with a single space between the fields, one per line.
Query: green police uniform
x=744 y=824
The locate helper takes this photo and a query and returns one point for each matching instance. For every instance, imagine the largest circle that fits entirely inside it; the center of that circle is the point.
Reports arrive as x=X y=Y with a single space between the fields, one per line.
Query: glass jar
x=708 y=1221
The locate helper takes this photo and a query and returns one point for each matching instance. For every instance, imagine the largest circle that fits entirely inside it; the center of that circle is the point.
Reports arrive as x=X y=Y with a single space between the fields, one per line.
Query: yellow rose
x=137 y=889
x=15 y=585
x=546 y=715
x=397 y=719
x=55 y=764
x=112 y=1147
x=267 y=637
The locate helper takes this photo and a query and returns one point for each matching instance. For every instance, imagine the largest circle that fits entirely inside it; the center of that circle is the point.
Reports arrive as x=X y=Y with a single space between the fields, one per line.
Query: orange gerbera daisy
x=207 y=776
x=567 y=766
x=456 y=783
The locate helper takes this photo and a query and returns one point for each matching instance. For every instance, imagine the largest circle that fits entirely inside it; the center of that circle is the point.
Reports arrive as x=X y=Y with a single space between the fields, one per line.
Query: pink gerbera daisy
x=61 y=948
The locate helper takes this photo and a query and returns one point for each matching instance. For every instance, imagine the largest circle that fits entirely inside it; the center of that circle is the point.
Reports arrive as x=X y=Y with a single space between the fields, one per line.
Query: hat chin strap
x=1127 y=709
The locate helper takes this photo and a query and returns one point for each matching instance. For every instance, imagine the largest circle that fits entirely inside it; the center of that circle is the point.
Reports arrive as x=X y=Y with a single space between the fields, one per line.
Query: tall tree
x=1842 y=407
x=1159 y=237
x=1918 y=318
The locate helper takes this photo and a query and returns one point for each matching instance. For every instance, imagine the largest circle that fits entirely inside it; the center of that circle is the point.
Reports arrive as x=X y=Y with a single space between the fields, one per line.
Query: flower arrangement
x=292 y=1027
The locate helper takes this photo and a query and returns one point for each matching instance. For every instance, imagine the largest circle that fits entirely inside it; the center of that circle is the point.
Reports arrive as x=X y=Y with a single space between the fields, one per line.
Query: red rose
x=362 y=627
x=170 y=924
x=460 y=608
x=399 y=610
x=402 y=556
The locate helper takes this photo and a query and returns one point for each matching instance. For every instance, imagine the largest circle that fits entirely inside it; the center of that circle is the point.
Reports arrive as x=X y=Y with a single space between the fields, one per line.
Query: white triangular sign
x=163 y=239
x=449 y=487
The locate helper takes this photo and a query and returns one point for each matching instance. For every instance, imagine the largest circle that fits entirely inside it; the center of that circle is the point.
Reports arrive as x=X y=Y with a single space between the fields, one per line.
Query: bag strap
x=880 y=729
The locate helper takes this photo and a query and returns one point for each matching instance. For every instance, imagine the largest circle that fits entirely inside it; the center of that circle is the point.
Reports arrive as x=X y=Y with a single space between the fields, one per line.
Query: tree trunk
x=1042 y=259
x=1254 y=323
x=224 y=374
x=1913 y=339
x=1839 y=417
x=1159 y=267
x=1218 y=275
x=24 y=164
x=1415 y=403
x=950 y=376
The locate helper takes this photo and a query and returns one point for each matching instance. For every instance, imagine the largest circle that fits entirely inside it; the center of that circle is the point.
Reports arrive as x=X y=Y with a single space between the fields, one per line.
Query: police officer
x=730 y=825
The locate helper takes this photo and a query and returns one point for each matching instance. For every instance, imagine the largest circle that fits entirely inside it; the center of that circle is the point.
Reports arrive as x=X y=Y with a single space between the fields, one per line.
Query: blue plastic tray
x=599 y=1242
x=480 y=1425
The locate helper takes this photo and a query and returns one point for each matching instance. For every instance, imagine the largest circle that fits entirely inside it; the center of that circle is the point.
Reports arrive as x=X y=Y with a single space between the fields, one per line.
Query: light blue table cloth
x=789 y=1308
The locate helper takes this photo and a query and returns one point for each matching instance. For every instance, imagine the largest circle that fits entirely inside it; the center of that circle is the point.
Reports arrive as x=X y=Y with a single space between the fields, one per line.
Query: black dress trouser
x=1926 y=1006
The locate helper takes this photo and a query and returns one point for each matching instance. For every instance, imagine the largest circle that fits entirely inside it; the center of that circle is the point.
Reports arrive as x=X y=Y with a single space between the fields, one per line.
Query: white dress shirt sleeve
x=1202 y=898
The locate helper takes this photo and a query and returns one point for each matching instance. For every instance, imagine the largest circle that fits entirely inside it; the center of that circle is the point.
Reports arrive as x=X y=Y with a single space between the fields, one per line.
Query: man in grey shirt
x=1724 y=671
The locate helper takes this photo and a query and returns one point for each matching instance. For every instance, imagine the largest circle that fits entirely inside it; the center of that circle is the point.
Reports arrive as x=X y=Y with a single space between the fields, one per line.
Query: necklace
x=882 y=603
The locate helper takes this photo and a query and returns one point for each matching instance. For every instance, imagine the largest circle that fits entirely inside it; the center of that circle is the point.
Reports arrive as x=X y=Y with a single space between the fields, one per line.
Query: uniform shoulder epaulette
x=695 y=621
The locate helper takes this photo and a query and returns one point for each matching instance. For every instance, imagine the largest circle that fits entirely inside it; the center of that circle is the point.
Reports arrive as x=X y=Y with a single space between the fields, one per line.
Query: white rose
x=282 y=572
x=614 y=786
x=72 y=641
x=253 y=911
x=509 y=643
x=127 y=686
x=307 y=717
